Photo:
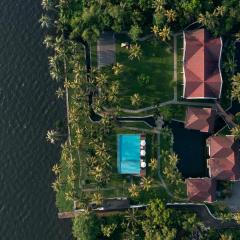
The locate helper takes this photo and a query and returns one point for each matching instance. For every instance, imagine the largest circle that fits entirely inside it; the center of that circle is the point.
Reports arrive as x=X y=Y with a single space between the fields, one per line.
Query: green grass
x=156 y=63
x=179 y=67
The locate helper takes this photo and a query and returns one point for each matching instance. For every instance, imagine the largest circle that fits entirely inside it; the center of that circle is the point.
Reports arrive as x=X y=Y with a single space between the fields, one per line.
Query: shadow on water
x=28 y=109
x=190 y=146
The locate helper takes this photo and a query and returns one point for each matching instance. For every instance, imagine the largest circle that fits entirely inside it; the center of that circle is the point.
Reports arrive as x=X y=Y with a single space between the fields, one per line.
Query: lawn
x=179 y=67
x=156 y=64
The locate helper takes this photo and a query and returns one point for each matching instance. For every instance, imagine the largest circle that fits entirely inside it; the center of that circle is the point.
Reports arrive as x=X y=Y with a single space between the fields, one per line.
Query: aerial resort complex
x=150 y=143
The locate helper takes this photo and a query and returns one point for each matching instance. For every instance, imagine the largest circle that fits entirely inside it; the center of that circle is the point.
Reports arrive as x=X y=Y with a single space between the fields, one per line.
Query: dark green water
x=28 y=108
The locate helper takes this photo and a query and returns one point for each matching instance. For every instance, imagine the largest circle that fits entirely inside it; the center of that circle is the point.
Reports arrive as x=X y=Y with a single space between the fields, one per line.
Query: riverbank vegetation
x=142 y=75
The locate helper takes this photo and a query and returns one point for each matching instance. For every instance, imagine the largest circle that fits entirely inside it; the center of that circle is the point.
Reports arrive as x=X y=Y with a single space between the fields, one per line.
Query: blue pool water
x=129 y=153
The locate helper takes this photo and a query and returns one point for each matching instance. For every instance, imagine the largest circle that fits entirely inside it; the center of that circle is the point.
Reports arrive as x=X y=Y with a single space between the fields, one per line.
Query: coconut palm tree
x=224 y=236
x=158 y=5
x=237 y=217
x=56 y=169
x=208 y=20
x=48 y=41
x=133 y=190
x=146 y=183
x=219 y=11
x=113 y=92
x=97 y=198
x=56 y=185
x=45 y=21
x=117 y=68
x=53 y=136
x=107 y=230
x=135 y=99
x=101 y=150
x=164 y=33
x=47 y=4
x=155 y=30
x=237 y=36
x=153 y=164
x=236 y=132
x=69 y=196
x=173 y=159
x=71 y=177
x=101 y=79
x=135 y=52
x=67 y=84
x=171 y=15
x=60 y=92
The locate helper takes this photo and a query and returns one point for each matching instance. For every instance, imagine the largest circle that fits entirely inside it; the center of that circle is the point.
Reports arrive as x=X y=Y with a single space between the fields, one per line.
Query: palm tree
x=135 y=99
x=113 y=92
x=97 y=198
x=48 y=41
x=208 y=20
x=60 y=92
x=236 y=132
x=45 y=21
x=133 y=190
x=235 y=92
x=69 y=196
x=71 y=178
x=135 y=52
x=56 y=185
x=173 y=159
x=158 y=5
x=164 y=33
x=237 y=36
x=53 y=136
x=219 y=11
x=171 y=15
x=237 y=217
x=67 y=84
x=56 y=169
x=108 y=230
x=117 y=68
x=225 y=237
x=146 y=183
x=155 y=30
x=101 y=79
x=47 y=4
x=153 y=164
x=101 y=150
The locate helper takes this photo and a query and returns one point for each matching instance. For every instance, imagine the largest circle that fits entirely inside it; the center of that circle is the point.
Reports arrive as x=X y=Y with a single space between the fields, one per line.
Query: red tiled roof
x=223 y=163
x=201 y=189
x=202 y=76
x=200 y=119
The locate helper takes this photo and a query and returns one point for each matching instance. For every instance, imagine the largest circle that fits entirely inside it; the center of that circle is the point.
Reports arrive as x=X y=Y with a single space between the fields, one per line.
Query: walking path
x=205 y=215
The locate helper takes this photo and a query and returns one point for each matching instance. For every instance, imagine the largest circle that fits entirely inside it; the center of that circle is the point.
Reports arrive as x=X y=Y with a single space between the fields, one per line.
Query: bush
x=86 y=227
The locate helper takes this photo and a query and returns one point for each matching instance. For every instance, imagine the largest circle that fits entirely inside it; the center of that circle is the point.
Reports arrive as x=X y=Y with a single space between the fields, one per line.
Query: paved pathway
x=205 y=215
x=233 y=202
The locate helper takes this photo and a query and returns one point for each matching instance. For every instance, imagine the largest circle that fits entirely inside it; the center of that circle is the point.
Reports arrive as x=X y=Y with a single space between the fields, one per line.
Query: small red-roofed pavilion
x=201 y=189
x=201 y=119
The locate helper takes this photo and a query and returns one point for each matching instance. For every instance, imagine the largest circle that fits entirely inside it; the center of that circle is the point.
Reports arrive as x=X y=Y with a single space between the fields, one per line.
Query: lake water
x=28 y=108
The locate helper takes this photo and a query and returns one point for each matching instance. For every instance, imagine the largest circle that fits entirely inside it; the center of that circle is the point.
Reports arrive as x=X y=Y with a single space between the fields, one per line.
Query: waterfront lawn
x=156 y=63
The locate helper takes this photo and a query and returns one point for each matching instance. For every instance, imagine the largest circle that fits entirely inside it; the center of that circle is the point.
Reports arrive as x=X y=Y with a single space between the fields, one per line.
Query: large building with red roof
x=201 y=65
x=201 y=119
x=201 y=189
x=224 y=158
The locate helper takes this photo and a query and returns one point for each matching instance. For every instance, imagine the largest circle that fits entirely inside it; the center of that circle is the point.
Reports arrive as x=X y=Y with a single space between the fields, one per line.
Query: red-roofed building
x=223 y=163
x=202 y=74
x=201 y=189
x=201 y=119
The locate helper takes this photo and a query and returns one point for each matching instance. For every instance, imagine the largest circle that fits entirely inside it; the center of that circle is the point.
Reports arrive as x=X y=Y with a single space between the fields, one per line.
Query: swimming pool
x=128 y=159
